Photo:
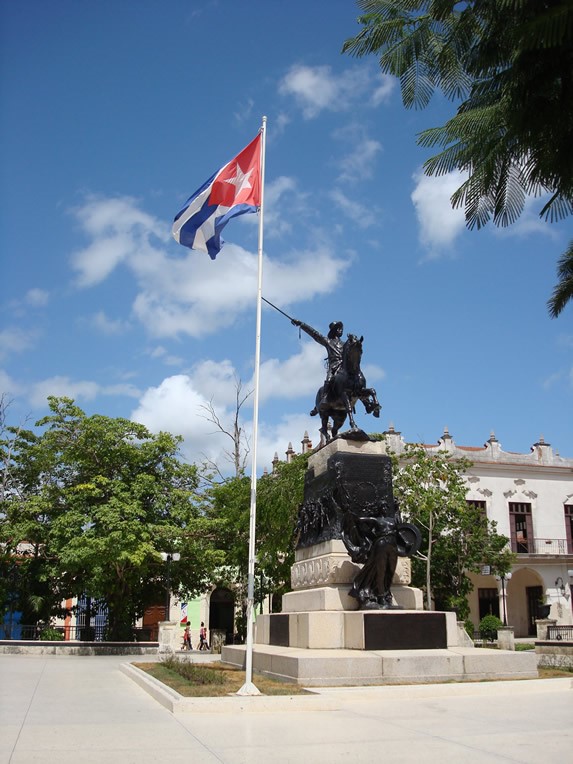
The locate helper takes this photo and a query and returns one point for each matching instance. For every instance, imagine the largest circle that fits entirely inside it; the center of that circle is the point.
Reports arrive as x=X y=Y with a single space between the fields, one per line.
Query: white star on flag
x=241 y=180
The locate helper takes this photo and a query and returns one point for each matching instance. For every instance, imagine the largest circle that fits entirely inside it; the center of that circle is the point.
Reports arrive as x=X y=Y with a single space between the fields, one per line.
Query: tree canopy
x=278 y=497
x=510 y=63
x=563 y=291
x=457 y=537
x=90 y=503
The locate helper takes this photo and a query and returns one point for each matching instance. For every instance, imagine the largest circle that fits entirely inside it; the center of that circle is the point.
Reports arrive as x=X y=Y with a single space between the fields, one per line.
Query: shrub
x=488 y=627
x=51 y=634
x=469 y=627
x=193 y=672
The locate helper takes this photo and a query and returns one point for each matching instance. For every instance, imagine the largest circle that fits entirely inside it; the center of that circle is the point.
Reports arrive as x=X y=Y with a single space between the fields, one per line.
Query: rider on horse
x=334 y=347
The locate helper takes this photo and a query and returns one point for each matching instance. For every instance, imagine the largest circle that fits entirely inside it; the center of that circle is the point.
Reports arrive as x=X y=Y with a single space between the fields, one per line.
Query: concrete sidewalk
x=59 y=709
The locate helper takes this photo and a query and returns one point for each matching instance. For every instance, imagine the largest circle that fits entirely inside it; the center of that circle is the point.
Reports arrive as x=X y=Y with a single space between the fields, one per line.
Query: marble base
x=359 y=630
x=342 y=667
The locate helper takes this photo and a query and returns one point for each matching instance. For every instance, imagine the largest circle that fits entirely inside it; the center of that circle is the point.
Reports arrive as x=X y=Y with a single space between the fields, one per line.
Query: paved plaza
x=60 y=709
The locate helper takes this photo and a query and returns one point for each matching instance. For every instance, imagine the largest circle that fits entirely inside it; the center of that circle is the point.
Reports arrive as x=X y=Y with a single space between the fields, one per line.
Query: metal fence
x=71 y=633
x=560 y=633
x=549 y=546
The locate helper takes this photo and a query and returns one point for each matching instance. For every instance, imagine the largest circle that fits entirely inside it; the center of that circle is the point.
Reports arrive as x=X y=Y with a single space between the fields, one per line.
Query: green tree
x=510 y=62
x=96 y=500
x=278 y=497
x=563 y=291
x=28 y=584
x=457 y=538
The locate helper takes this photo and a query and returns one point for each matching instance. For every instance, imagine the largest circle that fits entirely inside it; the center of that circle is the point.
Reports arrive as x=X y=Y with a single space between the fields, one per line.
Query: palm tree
x=563 y=291
x=512 y=62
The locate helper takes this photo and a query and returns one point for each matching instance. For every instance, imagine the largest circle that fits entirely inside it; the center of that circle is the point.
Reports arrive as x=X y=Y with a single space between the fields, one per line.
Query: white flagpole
x=248 y=687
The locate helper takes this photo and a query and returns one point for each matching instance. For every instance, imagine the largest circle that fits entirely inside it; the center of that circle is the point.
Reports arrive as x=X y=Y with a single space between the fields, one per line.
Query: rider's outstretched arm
x=316 y=336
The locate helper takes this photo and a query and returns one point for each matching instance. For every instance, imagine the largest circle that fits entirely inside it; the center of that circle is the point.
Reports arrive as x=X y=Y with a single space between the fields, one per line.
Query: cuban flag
x=233 y=190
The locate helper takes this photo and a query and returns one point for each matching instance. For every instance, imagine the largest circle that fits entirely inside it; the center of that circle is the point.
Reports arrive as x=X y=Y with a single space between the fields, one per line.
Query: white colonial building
x=530 y=496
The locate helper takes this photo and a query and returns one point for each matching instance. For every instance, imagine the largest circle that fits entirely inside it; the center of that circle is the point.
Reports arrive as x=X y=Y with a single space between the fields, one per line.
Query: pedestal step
x=359 y=630
x=336 y=668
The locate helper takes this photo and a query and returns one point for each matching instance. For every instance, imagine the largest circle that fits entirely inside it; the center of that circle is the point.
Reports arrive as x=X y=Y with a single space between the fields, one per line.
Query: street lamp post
x=168 y=558
x=503 y=579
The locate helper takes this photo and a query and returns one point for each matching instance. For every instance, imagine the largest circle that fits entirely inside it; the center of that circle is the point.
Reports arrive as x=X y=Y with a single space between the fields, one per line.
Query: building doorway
x=488 y=602
x=534 y=598
x=222 y=612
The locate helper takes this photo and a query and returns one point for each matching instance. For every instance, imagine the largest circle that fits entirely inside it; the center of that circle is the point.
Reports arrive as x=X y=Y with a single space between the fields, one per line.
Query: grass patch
x=524 y=646
x=552 y=673
x=211 y=679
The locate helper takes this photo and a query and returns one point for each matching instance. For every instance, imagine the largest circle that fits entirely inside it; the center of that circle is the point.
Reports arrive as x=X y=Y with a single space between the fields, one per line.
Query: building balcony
x=545 y=547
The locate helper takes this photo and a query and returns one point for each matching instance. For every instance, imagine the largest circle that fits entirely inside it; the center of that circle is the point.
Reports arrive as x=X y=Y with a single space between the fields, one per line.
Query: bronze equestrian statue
x=344 y=384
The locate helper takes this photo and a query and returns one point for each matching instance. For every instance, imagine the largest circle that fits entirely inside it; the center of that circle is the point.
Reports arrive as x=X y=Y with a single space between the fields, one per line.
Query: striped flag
x=233 y=190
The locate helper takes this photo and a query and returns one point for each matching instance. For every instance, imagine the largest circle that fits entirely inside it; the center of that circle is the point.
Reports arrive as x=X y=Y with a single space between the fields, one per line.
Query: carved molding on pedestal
x=338 y=569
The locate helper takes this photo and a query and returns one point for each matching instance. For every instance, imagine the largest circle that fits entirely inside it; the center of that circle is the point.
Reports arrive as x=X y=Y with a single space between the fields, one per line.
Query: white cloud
x=177 y=406
x=279 y=123
x=307 y=273
x=217 y=381
x=190 y=294
x=79 y=390
x=244 y=111
x=120 y=231
x=361 y=215
x=317 y=88
x=359 y=163
x=276 y=438
x=275 y=192
x=529 y=221
x=7 y=384
x=168 y=358
x=108 y=325
x=384 y=88
x=439 y=223
x=62 y=386
x=300 y=375
x=15 y=340
x=373 y=373
x=36 y=298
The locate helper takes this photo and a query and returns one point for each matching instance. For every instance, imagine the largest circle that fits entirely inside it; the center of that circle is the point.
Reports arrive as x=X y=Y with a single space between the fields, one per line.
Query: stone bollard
x=542 y=625
x=169 y=637
x=464 y=639
x=506 y=638
x=218 y=637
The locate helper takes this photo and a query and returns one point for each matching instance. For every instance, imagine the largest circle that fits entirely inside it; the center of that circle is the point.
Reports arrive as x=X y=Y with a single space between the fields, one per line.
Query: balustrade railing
x=560 y=633
x=542 y=546
x=71 y=633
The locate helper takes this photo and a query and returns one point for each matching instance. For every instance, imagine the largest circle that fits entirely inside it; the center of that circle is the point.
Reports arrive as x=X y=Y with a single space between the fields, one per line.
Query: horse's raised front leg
x=370 y=401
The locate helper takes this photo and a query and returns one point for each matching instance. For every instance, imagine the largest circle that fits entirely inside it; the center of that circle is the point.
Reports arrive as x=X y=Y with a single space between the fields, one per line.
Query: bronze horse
x=336 y=399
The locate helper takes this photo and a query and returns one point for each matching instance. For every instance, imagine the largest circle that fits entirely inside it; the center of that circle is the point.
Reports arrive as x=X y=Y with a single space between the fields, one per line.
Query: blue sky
x=114 y=113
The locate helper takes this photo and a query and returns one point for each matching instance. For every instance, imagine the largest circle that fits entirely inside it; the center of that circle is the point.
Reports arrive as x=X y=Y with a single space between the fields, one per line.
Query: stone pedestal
x=322 y=576
x=542 y=624
x=319 y=612
x=506 y=638
x=321 y=638
x=169 y=637
x=359 y=630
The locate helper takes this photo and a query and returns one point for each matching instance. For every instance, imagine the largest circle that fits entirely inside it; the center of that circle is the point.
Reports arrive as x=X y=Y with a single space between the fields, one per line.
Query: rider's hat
x=335 y=325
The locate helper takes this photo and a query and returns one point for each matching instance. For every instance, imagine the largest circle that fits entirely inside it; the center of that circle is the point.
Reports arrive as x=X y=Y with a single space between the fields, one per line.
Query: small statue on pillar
x=376 y=542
